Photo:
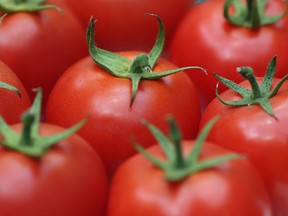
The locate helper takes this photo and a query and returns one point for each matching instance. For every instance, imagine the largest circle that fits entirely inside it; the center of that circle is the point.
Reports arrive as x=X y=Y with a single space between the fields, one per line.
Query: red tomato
x=86 y=88
x=68 y=180
x=231 y=188
x=11 y=105
x=122 y=24
x=251 y=131
x=40 y=46
x=206 y=38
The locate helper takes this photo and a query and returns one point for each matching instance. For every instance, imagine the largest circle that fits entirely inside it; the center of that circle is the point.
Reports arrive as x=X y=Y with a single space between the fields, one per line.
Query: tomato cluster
x=167 y=108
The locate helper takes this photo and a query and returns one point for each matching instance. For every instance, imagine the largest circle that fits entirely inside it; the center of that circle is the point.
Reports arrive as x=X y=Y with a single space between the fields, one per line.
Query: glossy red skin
x=86 y=89
x=206 y=39
x=232 y=188
x=40 y=46
x=251 y=131
x=11 y=105
x=68 y=180
x=122 y=25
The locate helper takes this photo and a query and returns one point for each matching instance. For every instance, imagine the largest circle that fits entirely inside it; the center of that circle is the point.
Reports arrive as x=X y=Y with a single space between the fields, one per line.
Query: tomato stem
x=259 y=94
x=28 y=118
x=253 y=15
x=30 y=142
x=141 y=67
x=177 y=166
x=248 y=73
x=26 y=6
x=175 y=137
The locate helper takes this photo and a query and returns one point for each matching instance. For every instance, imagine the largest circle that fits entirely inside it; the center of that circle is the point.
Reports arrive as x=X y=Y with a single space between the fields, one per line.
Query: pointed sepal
x=10 y=87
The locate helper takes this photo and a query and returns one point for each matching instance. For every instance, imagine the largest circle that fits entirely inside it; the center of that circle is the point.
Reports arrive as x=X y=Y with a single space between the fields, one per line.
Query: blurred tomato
x=39 y=46
x=205 y=38
x=122 y=25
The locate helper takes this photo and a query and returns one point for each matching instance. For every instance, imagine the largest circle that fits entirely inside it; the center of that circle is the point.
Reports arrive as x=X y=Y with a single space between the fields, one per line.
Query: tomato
x=205 y=38
x=65 y=178
x=262 y=137
x=68 y=180
x=118 y=91
x=122 y=25
x=232 y=187
x=39 y=46
x=11 y=105
x=86 y=88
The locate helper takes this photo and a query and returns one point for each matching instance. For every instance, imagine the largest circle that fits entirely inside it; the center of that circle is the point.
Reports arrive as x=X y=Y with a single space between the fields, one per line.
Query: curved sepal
x=2 y=17
x=109 y=61
x=10 y=87
x=157 y=49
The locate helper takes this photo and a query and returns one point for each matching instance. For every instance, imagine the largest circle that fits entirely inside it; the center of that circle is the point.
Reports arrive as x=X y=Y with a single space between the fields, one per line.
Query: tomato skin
x=122 y=25
x=251 y=131
x=232 y=188
x=11 y=106
x=68 y=180
x=86 y=89
x=40 y=46
x=206 y=39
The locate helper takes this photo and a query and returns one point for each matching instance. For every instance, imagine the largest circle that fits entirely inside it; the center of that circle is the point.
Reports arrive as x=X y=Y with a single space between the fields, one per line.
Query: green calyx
x=259 y=94
x=177 y=166
x=139 y=68
x=9 y=87
x=29 y=142
x=251 y=15
x=13 y=6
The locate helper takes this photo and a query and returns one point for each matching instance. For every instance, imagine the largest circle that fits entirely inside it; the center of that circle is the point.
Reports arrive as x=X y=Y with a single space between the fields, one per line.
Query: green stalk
x=252 y=15
x=248 y=74
x=175 y=137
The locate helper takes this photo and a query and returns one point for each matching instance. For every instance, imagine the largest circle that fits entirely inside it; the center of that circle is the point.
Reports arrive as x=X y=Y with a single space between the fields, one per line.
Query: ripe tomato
x=68 y=180
x=11 y=105
x=43 y=173
x=205 y=38
x=233 y=187
x=86 y=88
x=39 y=46
x=119 y=90
x=262 y=137
x=122 y=24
